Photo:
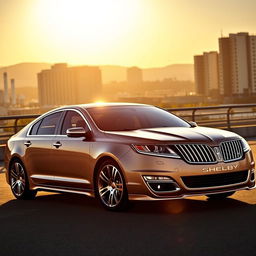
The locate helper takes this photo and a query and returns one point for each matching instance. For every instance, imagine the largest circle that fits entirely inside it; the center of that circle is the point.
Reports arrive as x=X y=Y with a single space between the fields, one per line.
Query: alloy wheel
x=110 y=186
x=18 y=179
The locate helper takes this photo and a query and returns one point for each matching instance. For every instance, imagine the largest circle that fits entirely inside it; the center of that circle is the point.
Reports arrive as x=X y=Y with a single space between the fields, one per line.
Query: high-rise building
x=134 y=76
x=63 y=85
x=6 y=95
x=206 y=73
x=225 y=66
x=199 y=74
x=237 y=64
x=252 y=63
x=13 y=93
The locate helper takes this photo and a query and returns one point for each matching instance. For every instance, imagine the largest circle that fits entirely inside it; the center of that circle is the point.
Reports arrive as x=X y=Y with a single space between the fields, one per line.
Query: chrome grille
x=200 y=153
x=196 y=153
x=231 y=150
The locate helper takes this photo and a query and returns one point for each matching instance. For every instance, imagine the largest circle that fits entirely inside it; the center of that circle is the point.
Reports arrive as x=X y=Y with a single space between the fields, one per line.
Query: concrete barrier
x=246 y=131
x=2 y=148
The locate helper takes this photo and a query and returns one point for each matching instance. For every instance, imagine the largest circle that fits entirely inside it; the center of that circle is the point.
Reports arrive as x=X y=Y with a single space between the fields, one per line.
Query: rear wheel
x=110 y=186
x=221 y=195
x=19 y=181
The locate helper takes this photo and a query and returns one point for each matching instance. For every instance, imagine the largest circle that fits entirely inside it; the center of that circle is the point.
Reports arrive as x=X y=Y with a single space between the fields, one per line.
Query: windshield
x=125 y=118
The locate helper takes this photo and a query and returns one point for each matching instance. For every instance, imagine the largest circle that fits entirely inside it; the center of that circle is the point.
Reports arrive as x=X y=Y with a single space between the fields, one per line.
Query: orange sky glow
x=146 y=33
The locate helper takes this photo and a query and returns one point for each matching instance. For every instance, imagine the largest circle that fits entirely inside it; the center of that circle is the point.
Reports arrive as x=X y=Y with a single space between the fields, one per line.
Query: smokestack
x=13 y=94
x=6 y=98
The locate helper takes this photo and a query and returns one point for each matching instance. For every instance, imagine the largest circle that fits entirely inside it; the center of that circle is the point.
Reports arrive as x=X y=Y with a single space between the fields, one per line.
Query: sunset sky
x=146 y=33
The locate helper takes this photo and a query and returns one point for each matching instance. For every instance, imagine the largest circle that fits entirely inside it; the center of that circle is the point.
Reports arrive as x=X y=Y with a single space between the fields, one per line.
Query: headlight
x=245 y=145
x=155 y=150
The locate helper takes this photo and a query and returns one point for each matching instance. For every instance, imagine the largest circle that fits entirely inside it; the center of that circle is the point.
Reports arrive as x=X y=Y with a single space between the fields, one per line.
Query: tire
x=110 y=188
x=19 y=181
x=220 y=196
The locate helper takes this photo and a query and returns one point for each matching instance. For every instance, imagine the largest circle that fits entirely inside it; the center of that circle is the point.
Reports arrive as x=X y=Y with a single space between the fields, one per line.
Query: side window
x=34 y=129
x=49 y=124
x=72 y=119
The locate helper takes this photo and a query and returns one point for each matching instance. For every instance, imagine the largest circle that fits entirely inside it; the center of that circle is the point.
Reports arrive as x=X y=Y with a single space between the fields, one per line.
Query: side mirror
x=77 y=132
x=193 y=124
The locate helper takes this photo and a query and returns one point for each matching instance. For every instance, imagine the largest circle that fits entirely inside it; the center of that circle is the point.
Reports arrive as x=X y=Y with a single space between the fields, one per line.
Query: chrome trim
x=59 y=178
x=157 y=198
x=217 y=187
x=52 y=112
x=191 y=153
x=228 y=149
x=205 y=154
x=62 y=190
x=161 y=181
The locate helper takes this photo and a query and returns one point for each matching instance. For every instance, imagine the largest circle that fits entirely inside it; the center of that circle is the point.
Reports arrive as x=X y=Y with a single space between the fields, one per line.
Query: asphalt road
x=65 y=224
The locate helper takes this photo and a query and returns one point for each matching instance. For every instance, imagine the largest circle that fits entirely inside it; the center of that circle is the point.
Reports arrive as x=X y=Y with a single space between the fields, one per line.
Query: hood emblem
x=218 y=154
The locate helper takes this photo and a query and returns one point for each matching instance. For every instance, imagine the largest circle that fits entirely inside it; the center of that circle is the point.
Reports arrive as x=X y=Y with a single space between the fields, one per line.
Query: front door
x=71 y=155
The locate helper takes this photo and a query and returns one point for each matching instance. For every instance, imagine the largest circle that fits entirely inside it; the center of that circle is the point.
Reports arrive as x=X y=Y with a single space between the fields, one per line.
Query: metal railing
x=223 y=116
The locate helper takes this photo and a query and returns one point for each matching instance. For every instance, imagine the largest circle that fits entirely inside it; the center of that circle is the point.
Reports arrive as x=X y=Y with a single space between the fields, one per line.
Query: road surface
x=65 y=224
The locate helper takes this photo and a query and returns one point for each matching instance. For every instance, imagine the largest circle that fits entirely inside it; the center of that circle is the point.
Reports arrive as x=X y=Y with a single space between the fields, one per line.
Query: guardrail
x=224 y=116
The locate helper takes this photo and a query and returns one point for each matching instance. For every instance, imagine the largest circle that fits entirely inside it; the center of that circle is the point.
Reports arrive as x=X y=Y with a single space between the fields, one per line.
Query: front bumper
x=142 y=165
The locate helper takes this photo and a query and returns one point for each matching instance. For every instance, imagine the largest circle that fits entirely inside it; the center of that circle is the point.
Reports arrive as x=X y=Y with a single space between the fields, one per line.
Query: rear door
x=39 y=149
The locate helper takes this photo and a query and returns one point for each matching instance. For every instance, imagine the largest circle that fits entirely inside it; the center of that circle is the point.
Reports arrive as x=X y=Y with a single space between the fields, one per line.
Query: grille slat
x=183 y=153
x=215 y=180
x=196 y=153
x=200 y=153
x=231 y=150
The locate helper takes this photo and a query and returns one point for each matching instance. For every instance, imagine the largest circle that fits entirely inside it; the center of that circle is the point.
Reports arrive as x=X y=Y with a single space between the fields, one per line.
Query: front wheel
x=19 y=181
x=110 y=186
x=221 y=195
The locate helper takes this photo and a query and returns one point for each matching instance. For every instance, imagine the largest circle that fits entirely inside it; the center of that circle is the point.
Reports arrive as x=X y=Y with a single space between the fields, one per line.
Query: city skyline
x=231 y=71
x=129 y=33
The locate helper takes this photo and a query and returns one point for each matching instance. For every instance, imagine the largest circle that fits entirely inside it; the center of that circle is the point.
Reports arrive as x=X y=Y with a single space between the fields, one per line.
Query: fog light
x=148 y=178
x=162 y=184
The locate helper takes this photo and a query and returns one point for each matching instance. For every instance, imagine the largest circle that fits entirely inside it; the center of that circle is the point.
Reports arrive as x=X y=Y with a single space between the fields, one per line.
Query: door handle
x=57 y=144
x=27 y=143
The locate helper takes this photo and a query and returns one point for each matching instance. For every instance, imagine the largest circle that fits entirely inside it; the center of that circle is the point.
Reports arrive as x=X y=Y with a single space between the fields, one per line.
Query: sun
x=76 y=24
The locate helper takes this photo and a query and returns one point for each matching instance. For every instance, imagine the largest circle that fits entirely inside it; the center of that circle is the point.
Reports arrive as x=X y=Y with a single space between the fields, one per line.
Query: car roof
x=107 y=104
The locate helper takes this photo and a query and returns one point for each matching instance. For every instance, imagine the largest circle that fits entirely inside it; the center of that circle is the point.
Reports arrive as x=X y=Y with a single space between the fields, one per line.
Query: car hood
x=175 y=134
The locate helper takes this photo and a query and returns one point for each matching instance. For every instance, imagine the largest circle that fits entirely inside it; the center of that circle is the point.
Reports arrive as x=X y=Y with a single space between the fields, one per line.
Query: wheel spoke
x=114 y=172
x=14 y=174
x=19 y=188
x=119 y=186
x=110 y=198
x=17 y=168
x=14 y=184
x=115 y=196
x=104 y=177
x=103 y=191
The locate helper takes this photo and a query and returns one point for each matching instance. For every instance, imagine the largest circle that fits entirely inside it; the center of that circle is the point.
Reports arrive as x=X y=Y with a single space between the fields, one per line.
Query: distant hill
x=176 y=71
x=25 y=74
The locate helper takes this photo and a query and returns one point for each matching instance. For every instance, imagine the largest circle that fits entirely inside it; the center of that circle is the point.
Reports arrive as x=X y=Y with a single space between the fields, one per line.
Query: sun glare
x=77 y=24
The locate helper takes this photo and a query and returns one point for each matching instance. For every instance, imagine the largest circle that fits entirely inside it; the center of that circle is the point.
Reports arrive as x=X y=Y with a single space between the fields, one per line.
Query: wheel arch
x=12 y=159
x=100 y=160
